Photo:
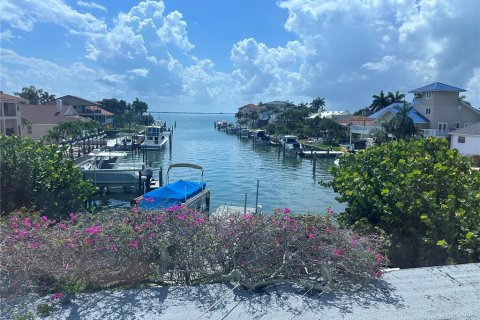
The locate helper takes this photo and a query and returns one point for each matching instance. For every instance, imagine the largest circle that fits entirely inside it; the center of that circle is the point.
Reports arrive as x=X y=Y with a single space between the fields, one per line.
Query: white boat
x=156 y=137
x=291 y=143
x=189 y=193
x=104 y=168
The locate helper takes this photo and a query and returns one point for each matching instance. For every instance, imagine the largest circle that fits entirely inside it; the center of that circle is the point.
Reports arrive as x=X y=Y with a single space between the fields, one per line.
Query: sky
x=218 y=55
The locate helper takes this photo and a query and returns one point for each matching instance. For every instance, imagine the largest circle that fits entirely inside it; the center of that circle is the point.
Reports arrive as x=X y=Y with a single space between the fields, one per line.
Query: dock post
x=256 y=200
x=140 y=182
x=314 y=164
x=245 y=204
x=160 y=177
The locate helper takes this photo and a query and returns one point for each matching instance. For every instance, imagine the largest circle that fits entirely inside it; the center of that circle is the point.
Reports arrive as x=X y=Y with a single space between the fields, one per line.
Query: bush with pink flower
x=124 y=248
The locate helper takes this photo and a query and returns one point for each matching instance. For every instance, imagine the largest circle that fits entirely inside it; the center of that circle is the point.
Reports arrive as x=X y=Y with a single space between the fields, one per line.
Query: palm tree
x=318 y=104
x=462 y=99
x=402 y=124
x=379 y=102
x=397 y=97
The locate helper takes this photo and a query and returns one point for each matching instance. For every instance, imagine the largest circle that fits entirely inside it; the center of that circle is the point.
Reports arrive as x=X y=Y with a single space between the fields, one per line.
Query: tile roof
x=437 y=86
x=4 y=96
x=355 y=120
x=47 y=114
x=472 y=130
x=414 y=114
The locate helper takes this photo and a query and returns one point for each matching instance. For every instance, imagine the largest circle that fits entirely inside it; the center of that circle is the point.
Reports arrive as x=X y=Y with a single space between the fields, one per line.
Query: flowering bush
x=179 y=246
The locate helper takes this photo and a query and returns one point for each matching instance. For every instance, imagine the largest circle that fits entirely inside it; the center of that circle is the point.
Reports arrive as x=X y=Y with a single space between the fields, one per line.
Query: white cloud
x=24 y=15
x=473 y=88
x=91 y=5
x=386 y=63
x=140 y=72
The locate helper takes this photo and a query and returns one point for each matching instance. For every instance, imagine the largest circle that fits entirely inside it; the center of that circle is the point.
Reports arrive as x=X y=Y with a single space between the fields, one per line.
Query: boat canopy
x=172 y=194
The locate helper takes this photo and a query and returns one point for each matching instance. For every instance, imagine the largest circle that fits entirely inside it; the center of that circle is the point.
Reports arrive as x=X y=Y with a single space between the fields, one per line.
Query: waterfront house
x=45 y=117
x=441 y=105
x=10 y=114
x=86 y=108
x=466 y=140
x=437 y=110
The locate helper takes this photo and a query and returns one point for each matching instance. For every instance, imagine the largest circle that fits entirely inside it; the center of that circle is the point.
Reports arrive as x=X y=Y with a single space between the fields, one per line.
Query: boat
x=260 y=137
x=156 y=137
x=188 y=193
x=104 y=168
x=290 y=143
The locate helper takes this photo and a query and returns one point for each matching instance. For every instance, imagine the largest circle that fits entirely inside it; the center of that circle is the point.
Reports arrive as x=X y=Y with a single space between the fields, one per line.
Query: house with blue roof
x=437 y=111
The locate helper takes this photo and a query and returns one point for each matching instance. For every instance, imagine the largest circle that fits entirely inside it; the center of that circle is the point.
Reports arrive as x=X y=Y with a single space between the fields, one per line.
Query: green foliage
x=318 y=104
x=423 y=194
x=44 y=309
x=34 y=175
x=34 y=95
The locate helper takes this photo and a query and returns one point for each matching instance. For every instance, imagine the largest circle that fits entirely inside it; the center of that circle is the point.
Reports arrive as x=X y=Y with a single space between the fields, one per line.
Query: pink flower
x=56 y=296
x=36 y=225
x=136 y=228
x=310 y=236
x=33 y=245
x=182 y=217
x=92 y=230
x=133 y=244
x=354 y=241
x=378 y=258
x=138 y=200
x=88 y=241
x=338 y=252
x=330 y=211
x=134 y=210
x=62 y=226
x=286 y=211
x=328 y=230
x=26 y=222
x=248 y=216
x=113 y=247
x=378 y=274
x=152 y=235
x=73 y=217
x=44 y=218
x=287 y=219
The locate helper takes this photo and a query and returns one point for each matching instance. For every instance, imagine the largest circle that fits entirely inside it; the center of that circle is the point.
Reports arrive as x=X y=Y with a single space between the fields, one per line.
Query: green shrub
x=423 y=194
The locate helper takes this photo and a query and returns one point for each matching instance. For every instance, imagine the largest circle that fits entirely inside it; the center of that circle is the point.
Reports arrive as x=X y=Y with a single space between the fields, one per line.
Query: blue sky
x=217 y=55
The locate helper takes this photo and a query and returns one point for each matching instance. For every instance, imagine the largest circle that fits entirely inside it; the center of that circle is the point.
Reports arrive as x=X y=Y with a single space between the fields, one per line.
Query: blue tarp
x=171 y=194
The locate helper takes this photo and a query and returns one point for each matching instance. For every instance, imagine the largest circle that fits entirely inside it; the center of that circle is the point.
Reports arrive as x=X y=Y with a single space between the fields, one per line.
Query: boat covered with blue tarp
x=172 y=194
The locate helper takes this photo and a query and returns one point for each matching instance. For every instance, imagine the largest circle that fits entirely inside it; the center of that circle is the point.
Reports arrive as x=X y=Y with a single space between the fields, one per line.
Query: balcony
x=442 y=133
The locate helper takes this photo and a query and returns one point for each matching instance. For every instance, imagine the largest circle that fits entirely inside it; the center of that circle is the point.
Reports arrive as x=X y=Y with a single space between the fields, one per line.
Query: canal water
x=233 y=166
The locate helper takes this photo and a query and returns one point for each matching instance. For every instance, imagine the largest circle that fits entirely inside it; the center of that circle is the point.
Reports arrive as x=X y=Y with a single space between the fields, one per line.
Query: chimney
x=58 y=103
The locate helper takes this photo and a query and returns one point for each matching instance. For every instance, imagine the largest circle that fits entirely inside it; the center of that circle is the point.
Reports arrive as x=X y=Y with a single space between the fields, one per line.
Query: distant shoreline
x=188 y=112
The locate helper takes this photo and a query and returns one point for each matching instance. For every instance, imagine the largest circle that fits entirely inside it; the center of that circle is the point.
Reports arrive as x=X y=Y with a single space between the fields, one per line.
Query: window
x=428 y=111
x=428 y=95
x=461 y=139
x=467 y=124
x=457 y=125
x=29 y=130
x=442 y=127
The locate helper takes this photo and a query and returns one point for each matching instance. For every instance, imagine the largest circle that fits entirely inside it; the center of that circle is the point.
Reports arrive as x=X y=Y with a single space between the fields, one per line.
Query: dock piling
x=256 y=200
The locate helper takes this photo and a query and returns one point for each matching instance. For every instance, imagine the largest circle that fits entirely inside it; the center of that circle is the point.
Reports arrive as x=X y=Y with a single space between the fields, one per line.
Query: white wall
x=470 y=147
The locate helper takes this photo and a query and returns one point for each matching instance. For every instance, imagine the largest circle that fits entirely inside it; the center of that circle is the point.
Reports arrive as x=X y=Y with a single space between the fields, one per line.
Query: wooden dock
x=320 y=153
x=224 y=209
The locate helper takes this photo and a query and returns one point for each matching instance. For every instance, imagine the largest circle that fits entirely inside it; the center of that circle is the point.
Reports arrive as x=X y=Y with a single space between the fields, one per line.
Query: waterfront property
x=10 y=114
x=466 y=140
x=45 y=117
x=437 y=110
x=290 y=143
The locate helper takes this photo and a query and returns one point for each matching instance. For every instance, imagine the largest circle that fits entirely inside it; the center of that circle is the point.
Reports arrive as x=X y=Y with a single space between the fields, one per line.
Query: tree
x=402 y=125
x=379 y=102
x=34 y=175
x=114 y=106
x=462 y=99
x=423 y=194
x=318 y=104
x=397 y=97
x=34 y=95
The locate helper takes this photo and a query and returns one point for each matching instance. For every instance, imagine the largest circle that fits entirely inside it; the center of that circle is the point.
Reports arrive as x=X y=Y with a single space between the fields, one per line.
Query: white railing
x=361 y=129
x=435 y=132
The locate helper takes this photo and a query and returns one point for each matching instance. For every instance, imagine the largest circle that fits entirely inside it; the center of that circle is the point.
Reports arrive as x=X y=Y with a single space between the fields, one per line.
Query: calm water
x=232 y=167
